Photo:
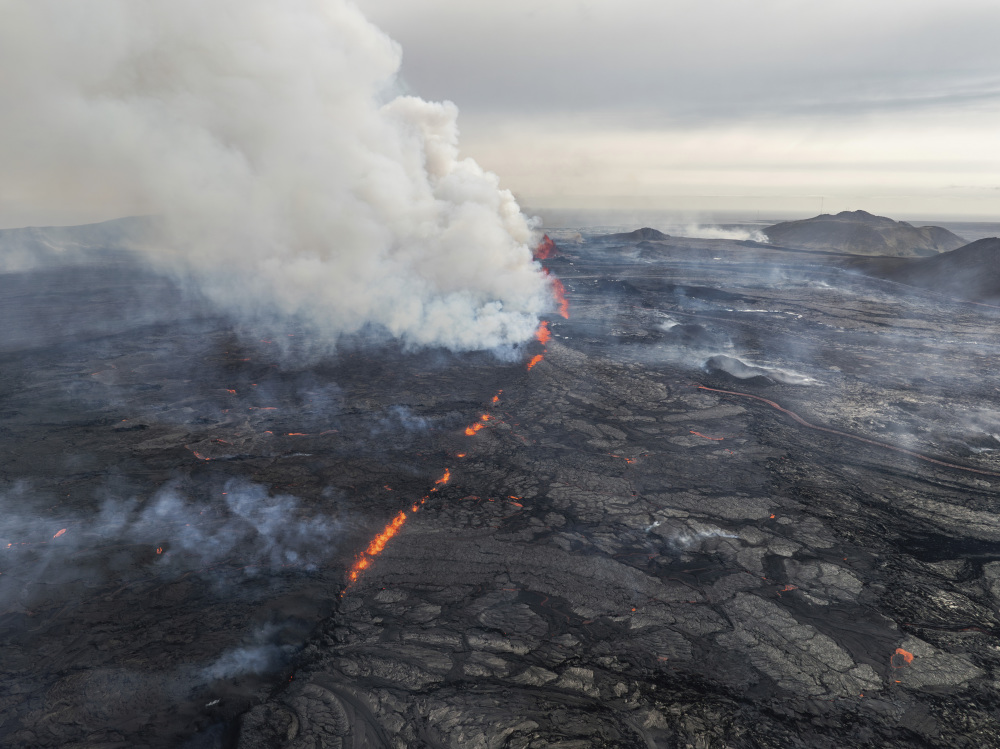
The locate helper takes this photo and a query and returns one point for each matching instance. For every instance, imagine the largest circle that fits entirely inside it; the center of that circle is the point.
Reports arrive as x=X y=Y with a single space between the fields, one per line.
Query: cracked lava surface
x=608 y=546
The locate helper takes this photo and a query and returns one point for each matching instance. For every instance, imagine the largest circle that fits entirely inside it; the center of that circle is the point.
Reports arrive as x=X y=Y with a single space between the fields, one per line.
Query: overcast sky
x=891 y=106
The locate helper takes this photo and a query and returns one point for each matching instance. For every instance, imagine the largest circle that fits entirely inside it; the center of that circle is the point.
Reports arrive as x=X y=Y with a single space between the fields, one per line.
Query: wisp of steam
x=290 y=178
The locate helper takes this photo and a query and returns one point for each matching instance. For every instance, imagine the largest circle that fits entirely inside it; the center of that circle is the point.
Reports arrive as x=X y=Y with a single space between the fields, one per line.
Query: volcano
x=774 y=526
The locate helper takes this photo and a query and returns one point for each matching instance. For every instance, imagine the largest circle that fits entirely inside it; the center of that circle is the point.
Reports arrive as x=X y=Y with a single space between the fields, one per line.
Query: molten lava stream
x=559 y=292
x=545 y=250
x=542 y=334
x=365 y=558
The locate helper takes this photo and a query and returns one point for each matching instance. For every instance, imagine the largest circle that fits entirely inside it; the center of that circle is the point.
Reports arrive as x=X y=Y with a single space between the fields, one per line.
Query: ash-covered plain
x=745 y=498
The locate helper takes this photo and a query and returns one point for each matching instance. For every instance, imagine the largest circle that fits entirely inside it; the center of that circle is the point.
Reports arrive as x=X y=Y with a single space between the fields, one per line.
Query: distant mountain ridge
x=45 y=246
x=862 y=233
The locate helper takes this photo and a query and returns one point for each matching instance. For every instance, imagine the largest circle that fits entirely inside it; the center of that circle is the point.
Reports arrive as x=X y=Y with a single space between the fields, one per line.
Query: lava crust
x=634 y=542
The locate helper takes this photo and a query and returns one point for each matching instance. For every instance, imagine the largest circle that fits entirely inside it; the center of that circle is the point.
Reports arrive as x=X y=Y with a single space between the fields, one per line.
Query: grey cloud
x=680 y=61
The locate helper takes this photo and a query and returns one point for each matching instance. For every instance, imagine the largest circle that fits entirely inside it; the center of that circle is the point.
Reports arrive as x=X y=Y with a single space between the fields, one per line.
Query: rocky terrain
x=740 y=497
x=861 y=233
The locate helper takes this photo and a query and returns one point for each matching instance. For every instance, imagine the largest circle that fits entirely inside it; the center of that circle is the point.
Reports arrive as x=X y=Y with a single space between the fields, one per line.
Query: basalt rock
x=618 y=555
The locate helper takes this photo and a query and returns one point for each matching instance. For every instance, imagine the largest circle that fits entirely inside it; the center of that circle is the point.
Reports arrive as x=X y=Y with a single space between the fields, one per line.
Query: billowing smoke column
x=291 y=180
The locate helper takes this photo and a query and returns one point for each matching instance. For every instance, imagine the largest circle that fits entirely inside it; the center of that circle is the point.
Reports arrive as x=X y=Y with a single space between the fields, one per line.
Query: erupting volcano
x=420 y=530
x=310 y=452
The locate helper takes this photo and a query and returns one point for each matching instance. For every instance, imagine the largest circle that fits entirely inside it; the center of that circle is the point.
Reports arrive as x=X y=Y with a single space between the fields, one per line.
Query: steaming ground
x=618 y=559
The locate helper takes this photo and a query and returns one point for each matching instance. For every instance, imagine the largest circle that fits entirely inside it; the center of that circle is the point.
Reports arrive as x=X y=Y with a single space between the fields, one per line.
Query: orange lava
x=159 y=549
x=471 y=430
x=446 y=478
x=534 y=360
x=559 y=292
x=546 y=249
x=59 y=533
x=542 y=334
x=298 y=434
x=901 y=658
x=716 y=439
x=198 y=455
x=375 y=548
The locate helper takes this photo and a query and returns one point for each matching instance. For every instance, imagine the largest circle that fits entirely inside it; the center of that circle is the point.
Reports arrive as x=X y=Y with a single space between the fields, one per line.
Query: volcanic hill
x=970 y=272
x=644 y=234
x=861 y=233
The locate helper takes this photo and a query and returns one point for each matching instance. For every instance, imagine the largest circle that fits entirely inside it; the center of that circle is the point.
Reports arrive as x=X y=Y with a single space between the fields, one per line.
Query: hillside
x=970 y=272
x=639 y=235
x=861 y=233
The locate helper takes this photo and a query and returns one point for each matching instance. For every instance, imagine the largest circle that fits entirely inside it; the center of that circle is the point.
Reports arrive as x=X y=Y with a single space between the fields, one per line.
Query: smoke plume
x=291 y=179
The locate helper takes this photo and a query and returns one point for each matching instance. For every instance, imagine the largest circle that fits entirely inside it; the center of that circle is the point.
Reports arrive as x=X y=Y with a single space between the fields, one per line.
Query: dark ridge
x=639 y=235
x=861 y=233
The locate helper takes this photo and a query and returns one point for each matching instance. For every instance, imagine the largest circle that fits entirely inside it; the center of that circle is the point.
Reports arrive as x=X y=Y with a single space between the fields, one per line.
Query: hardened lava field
x=739 y=497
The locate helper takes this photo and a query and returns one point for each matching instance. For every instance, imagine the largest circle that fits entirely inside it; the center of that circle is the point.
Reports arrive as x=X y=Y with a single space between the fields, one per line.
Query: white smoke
x=263 y=531
x=290 y=180
x=698 y=231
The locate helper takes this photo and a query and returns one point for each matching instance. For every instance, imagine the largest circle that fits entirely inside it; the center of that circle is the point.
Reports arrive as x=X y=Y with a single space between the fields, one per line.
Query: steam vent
x=729 y=495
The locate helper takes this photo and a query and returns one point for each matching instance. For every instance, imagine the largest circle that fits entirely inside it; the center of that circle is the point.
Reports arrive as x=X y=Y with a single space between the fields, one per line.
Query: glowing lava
x=546 y=249
x=901 y=658
x=705 y=436
x=559 y=292
x=198 y=455
x=59 y=533
x=375 y=548
x=542 y=334
x=446 y=478
x=534 y=360
x=481 y=424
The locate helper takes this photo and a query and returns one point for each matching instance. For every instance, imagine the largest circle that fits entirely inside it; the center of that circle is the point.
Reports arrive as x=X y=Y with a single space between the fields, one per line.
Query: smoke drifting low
x=169 y=534
x=292 y=182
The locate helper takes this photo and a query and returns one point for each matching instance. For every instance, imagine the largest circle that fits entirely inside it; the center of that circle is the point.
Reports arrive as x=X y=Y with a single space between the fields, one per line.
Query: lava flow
x=378 y=543
x=559 y=292
x=545 y=250
x=481 y=424
x=901 y=658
